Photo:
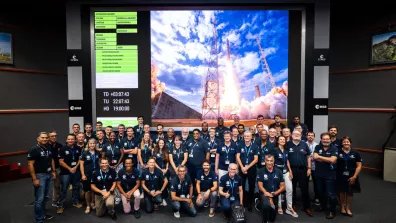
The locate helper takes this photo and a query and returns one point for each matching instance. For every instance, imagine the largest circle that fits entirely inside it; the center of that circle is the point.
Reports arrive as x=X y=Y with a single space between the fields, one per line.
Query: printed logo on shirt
x=179 y=186
x=291 y=150
x=67 y=152
x=124 y=177
x=108 y=147
x=147 y=177
x=88 y=157
x=125 y=144
x=98 y=178
x=352 y=156
x=265 y=177
x=202 y=177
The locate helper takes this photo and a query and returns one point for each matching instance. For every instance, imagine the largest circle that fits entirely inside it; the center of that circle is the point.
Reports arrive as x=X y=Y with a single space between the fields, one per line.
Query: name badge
x=247 y=161
x=183 y=196
x=227 y=162
x=114 y=161
x=73 y=163
x=191 y=155
x=263 y=163
x=232 y=198
x=212 y=155
x=104 y=189
x=49 y=169
x=345 y=173
x=130 y=155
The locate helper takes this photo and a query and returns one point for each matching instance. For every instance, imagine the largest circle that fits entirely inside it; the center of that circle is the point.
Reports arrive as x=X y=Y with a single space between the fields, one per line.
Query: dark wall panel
x=26 y=126
x=33 y=91
x=373 y=160
x=367 y=130
x=363 y=90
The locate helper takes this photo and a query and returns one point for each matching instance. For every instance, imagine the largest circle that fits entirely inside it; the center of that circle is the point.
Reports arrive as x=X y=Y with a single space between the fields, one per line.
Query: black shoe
x=137 y=214
x=48 y=217
x=250 y=209
x=331 y=215
x=113 y=216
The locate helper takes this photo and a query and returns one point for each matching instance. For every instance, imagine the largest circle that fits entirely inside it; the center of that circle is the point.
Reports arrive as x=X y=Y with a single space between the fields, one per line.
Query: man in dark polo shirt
x=300 y=163
x=103 y=183
x=181 y=191
x=198 y=151
x=207 y=187
x=230 y=190
x=42 y=169
x=55 y=146
x=325 y=155
x=270 y=183
x=220 y=129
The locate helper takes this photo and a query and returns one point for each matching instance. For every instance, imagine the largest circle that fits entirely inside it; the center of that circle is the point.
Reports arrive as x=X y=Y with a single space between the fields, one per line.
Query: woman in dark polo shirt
x=349 y=164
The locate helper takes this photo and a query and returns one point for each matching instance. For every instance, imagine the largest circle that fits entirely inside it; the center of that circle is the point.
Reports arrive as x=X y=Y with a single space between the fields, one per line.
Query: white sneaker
x=176 y=214
x=164 y=203
x=291 y=212
x=117 y=200
x=256 y=203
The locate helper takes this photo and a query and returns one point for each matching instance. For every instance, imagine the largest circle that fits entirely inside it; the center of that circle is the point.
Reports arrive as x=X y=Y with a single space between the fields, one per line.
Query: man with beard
x=241 y=131
x=325 y=156
x=198 y=151
x=205 y=132
x=333 y=130
x=207 y=187
x=236 y=123
x=277 y=123
x=185 y=136
x=296 y=121
x=160 y=134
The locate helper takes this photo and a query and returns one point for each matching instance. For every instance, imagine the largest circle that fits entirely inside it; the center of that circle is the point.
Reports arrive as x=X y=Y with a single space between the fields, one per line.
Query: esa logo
x=320 y=106
x=74 y=58
x=321 y=58
x=75 y=108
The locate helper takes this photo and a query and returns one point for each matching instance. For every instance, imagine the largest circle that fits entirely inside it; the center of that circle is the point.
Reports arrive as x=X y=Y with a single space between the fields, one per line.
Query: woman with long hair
x=161 y=154
x=145 y=151
x=178 y=156
x=349 y=165
x=89 y=162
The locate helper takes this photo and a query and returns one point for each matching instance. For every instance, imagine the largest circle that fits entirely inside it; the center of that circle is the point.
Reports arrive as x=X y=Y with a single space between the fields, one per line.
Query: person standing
x=349 y=165
x=55 y=147
x=299 y=157
x=42 y=170
x=312 y=144
x=325 y=156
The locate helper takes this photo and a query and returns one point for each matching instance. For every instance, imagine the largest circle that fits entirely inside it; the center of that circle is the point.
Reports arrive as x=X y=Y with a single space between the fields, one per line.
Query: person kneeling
x=206 y=187
x=128 y=184
x=153 y=184
x=230 y=190
x=271 y=184
x=103 y=183
x=181 y=191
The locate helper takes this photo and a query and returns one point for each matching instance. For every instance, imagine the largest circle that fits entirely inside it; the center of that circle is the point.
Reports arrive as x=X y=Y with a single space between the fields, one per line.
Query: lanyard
x=100 y=145
x=72 y=151
x=112 y=149
x=178 y=153
x=247 y=152
x=232 y=186
x=182 y=188
x=105 y=176
x=93 y=158
x=211 y=144
x=151 y=180
x=45 y=151
x=130 y=143
x=192 y=148
x=227 y=150
x=346 y=157
x=263 y=151
x=145 y=153
x=169 y=143
x=272 y=176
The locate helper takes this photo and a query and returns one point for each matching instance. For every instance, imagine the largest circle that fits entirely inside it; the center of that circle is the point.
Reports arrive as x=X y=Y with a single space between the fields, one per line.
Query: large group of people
x=256 y=168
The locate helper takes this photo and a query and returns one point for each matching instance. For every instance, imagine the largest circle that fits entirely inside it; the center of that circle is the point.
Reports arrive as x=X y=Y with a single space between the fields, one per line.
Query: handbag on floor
x=238 y=214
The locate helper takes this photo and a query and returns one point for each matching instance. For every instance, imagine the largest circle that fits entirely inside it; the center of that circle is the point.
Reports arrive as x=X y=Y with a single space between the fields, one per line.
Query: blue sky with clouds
x=5 y=43
x=180 y=44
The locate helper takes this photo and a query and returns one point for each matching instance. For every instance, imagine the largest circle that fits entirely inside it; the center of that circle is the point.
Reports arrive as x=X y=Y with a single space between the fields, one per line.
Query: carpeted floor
x=376 y=203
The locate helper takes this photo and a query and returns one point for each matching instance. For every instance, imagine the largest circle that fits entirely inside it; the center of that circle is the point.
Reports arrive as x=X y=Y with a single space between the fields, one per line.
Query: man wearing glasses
x=230 y=190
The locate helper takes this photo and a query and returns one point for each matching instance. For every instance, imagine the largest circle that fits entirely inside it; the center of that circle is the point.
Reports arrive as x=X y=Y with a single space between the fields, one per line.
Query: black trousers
x=268 y=213
x=300 y=177
x=316 y=194
x=248 y=196
x=149 y=202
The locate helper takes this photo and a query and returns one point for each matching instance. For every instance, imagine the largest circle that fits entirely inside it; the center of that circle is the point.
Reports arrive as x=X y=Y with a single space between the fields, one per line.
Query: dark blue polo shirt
x=271 y=180
x=70 y=156
x=236 y=142
x=87 y=138
x=206 y=181
x=91 y=162
x=263 y=151
x=197 y=152
x=337 y=143
x=205 y=136
x=159 y=160
x=112 y=152
x=325 y=169
x=153 y=181
x=145 y=153
x=128 y=181
x=226 y=153
x=347 y=162
x=181 y=187
x=231 y=185
x=220 y=132
x=178 y=154
x=54 y=152
x=130 y=144
x=170 y=143
x=280 y=159
x=297 y=154
x=247 y=153
x=157 y=137
x=103 y=180
x=42 y=157
x=213 y=145
x=137 y=131
x=101 y=145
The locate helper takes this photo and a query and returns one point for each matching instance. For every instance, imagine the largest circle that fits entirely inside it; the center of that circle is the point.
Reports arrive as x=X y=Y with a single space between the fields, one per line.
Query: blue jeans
x=326 y=189
x=42 y=195
x=226 y=204
x=74 y=180
x=176 y=205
